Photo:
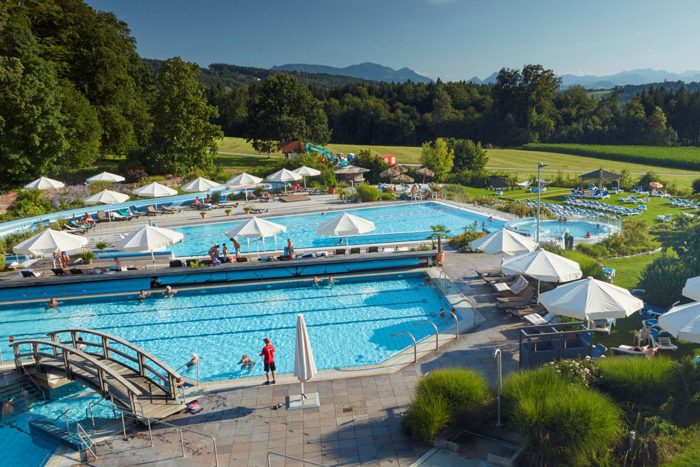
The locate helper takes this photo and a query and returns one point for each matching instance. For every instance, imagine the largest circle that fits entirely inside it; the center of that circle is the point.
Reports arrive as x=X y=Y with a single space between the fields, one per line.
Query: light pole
x=499 y=383
x=539 y=199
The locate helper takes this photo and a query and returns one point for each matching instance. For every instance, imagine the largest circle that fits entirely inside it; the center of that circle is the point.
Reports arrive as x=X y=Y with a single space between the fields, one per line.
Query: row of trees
x=73 y=88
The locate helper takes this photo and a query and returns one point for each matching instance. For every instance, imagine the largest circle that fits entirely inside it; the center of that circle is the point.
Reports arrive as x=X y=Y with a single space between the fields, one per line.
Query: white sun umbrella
x=48 y=241
x=154 y=190
x=199 y=184
x=106 y=197
x=305 y=171
x=683 y=321
x=106 y=177
x=345 y=225
x=692 y=288
x=543 y=266
x=149 y=238
x=304 y=364
x=43 y=183
x=590 y=299
x=284 y=176
x=244 y=181
x=504 y=241
x=257 y=228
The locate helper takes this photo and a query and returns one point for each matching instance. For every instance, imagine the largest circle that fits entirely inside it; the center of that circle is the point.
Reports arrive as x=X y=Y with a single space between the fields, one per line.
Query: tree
x=32 y=139
x=281 y=109
x=468 y=155
x=183 y=139
x=438 y=157
x=373 y=162
x=82 y=129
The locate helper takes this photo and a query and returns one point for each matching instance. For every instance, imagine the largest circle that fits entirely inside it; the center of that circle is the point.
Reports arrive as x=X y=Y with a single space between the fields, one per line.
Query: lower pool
x=351 y=323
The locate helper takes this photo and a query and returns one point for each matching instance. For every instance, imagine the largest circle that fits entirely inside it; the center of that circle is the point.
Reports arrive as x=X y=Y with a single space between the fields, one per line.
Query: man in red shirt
x=268 y=354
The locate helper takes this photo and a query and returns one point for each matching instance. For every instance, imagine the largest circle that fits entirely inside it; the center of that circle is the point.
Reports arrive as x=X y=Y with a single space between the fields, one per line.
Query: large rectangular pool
x=350 y=324
x=395 y=223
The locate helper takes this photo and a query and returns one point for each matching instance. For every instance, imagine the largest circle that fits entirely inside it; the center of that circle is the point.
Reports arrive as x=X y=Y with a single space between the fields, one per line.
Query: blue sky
x=452 y=39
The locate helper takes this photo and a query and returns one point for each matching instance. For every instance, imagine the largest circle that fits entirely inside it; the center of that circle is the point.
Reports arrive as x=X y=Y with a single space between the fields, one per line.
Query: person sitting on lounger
x=169 y=292
x=196 y=202
x=88 y=220
x=53 y=303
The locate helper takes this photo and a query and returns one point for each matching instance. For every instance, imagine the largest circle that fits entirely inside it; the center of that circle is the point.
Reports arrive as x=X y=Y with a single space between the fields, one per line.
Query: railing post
x=150 y=433
x=74 y=339
x=53 y=339
x=105 y=347
x=139 y=359
x=124 y=426
x=101 y=378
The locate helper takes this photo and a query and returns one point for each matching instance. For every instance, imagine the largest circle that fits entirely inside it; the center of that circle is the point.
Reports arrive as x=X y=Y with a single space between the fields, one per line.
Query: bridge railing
x=107 y=346
x=85 y=367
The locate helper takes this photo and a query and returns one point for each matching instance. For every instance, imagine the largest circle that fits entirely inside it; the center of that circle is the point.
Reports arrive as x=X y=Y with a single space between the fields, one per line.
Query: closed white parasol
x=304 y=366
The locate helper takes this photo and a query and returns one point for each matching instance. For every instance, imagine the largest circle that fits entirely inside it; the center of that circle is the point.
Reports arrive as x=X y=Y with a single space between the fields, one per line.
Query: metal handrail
x=437 y=332
x=23 y=370
x=83 y=435
x=413 y=339
x=284 y=456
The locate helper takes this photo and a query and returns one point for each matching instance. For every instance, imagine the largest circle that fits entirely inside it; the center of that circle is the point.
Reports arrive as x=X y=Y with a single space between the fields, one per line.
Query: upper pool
x=557 y=229
x=395 y=223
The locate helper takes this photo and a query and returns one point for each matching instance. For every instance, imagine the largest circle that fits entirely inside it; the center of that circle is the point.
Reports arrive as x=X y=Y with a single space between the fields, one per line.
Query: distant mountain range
x=632 y=77
x=367 y=71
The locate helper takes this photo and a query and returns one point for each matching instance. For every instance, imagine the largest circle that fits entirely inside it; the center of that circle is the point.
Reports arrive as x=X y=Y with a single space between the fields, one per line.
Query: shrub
x=428 y=414
x=388 y=196
x=3 y=259
x=595 y=250
x=461 y=242
x=589 y=266
x=641 y=381
x=135 y=175
x=367 y=193
x=465 y=390
x=562 y=423
x=583 y=372
x=663 y=280
x=696 y=186
x=87 y=256
x=100 y=245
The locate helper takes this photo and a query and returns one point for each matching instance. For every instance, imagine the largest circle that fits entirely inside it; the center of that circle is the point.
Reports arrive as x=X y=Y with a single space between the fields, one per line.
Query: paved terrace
x=359 y=418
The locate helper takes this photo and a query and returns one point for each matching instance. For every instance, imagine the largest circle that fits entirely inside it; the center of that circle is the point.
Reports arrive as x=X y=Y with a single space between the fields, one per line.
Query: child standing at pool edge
x=268 y=354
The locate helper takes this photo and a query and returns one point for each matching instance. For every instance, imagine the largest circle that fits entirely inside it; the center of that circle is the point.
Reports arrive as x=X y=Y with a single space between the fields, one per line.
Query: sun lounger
x=339 y=252
x=29 y=273
x=602 y=325
x=628 y=350
x=598 y=351
x=76 y=271
x=151 y=211
x=489 y=273
x=373 y=249
x=663 y=343
x=516 y=287
x=171 y=210
x=541 y=320
x=75 y=230
x=516 y=302
x=58 y=271
x=354 y=251
x=258 y=211
x=526 y=294
x=102 y=216
x=524 y=312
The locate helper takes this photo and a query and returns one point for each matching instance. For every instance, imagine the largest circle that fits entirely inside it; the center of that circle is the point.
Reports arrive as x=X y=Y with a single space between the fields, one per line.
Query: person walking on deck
x=268 y=354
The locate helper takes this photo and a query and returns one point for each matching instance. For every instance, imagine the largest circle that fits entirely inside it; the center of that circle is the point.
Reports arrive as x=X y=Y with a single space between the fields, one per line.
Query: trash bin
x=569 y=242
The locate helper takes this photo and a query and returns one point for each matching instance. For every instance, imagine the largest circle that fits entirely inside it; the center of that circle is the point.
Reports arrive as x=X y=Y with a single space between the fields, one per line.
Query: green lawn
x=629 y=270
x=523 y=163
x=250 y=164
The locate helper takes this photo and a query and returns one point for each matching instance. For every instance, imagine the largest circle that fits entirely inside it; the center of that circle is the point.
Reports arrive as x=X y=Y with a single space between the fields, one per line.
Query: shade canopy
x=244 y=179
x=199 y=184
x=106 y=177
x=656 y=185
x=106 y=197
x=391 y=172
x=683 y=321
x=284 y=175
x=149 y=238
x=256 y=228
x=542 y=265
x=590 y=299
x=43 y=183
x=154 y=190
x=48 y=241
x=403 y=178
x=426 y=172
x=307 y=172
x=351 y=170
x=692 y=288
x=600 y=174
x=304 y=364
x=344 y=225
x=504 y=241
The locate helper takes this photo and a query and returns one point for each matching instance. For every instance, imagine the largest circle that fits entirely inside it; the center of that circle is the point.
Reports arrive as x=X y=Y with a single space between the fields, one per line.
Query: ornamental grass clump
x=563 y=423
x=445 y=396
x=641 y=381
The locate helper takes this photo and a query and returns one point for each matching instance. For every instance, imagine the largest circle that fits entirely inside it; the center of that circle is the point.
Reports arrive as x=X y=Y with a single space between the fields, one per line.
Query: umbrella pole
x=539 y=282
x=153 y=257
x=303 y=395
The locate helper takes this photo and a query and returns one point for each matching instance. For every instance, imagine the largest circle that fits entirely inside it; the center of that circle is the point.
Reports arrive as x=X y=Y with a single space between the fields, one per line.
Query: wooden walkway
x=135 y=380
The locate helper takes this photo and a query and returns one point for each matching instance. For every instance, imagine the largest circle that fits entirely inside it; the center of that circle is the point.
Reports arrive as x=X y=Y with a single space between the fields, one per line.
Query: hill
x=233 y=76
x=367 y=71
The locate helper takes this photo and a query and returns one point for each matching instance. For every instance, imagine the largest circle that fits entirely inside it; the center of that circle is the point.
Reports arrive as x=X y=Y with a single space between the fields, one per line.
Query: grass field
x=515 y=161
x=687 y=157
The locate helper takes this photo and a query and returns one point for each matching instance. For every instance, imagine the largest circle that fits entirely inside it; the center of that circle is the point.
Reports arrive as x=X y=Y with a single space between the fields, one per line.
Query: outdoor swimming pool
x=556 y=229
x=396 y=223
x=350 y=324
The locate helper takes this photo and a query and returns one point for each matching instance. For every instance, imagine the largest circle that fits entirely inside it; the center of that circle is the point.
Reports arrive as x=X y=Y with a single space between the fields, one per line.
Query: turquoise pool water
x=557 y=229
x=22 y=448
x=395 y=223
x=350 y=324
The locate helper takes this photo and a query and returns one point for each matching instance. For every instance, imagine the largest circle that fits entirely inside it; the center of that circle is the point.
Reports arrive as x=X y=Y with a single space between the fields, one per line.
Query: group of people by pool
x=247 y=363
x=61 y=259
x=222 y=254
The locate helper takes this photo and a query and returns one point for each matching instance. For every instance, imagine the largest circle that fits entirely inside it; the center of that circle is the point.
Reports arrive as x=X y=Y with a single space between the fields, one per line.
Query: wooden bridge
x=135 y=380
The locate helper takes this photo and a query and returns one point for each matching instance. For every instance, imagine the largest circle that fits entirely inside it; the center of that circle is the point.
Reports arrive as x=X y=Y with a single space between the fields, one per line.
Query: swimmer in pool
x=317 y=281
x=169 y=292
x=53 y=303
x=143 y=295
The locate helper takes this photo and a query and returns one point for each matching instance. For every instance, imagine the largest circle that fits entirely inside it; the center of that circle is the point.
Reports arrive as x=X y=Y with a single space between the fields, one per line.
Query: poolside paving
x=358 y=422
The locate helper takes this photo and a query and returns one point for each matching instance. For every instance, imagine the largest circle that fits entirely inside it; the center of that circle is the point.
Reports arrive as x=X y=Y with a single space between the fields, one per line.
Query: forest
x=73 y=89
